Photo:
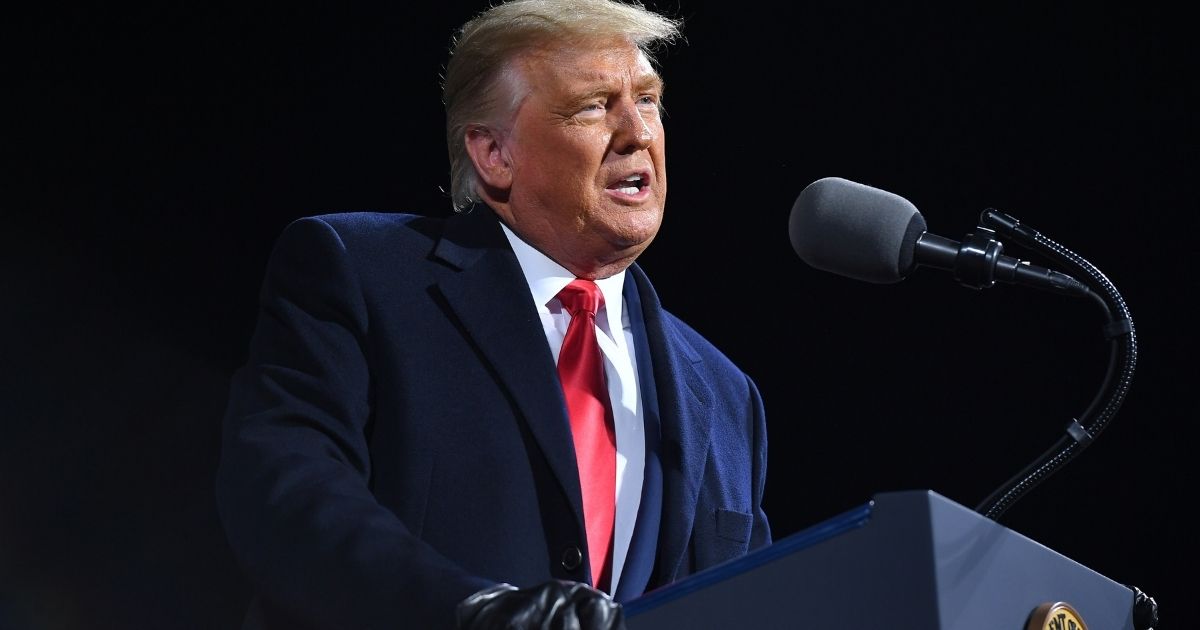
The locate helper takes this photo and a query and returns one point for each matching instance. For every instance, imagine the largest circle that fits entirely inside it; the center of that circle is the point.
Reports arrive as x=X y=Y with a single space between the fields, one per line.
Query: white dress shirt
x=545 y=279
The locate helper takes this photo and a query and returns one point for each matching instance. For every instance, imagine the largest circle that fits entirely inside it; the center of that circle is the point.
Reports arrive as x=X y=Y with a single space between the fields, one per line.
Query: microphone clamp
x=978 y=262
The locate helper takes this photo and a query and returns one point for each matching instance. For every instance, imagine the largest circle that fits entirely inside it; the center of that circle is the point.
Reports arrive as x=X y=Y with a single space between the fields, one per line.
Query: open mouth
x=631 y=185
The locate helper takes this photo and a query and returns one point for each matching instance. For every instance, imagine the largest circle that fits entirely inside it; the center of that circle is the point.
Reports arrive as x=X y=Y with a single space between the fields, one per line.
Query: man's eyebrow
x=593 y=90
x=649 y=83
x=601 y=84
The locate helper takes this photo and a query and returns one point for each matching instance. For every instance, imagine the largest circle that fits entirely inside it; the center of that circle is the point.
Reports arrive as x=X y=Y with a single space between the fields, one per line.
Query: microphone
x=868 y=234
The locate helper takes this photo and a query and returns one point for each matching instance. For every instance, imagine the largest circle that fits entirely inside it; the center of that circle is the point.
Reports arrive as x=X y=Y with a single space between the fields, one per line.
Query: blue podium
x=905 y=560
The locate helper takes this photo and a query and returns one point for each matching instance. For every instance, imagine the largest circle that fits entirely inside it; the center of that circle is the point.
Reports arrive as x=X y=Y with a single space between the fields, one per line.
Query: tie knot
x=581 y=296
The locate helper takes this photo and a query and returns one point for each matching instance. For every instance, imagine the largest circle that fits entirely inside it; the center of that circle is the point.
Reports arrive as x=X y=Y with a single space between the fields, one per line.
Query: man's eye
x=593 y=107
x=648 y=99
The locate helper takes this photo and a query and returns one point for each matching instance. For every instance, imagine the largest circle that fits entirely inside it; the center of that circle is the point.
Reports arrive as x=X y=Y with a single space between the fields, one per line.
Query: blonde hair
x=479 y=71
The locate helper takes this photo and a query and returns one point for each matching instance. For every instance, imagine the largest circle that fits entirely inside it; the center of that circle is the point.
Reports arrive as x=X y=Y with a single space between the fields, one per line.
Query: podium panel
x=905 y=560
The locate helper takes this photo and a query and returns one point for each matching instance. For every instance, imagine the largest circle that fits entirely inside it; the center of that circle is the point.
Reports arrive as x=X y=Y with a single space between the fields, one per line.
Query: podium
x=904 y=560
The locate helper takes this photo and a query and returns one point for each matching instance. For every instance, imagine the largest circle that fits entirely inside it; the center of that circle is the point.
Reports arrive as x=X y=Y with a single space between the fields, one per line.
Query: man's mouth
x=630 y=185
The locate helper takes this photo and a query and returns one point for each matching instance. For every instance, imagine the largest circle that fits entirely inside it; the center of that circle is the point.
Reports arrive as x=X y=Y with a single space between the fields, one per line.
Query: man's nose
x=634 y=130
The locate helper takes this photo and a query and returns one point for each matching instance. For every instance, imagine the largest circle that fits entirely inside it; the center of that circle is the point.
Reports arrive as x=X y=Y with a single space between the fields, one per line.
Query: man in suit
x=402 y=448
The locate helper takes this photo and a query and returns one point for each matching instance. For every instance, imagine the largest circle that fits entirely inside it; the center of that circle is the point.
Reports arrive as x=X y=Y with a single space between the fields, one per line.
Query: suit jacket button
x=572 y=558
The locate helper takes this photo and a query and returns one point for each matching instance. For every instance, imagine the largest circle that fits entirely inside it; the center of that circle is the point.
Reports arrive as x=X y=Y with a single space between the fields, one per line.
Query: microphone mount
x=973 y=261
x=978 y=262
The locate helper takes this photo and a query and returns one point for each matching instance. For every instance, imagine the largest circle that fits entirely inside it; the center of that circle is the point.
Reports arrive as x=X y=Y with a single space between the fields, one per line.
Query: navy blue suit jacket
x=397 y=439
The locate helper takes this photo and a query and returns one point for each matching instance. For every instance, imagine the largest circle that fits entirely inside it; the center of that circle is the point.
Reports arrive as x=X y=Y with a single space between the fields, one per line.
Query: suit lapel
x=491 y=300
x=643 y=546
x=684 y=402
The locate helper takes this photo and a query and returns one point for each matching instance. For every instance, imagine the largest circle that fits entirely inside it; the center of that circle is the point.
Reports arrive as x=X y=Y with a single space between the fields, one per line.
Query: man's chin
x=635 y=227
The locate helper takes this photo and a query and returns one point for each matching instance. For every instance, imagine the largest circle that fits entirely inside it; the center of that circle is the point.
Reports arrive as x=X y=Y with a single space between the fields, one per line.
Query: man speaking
x=490 y=419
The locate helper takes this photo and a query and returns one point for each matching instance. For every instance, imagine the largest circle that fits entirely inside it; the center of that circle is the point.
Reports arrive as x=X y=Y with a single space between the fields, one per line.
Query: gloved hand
x=553 y=605
x=1145 y=610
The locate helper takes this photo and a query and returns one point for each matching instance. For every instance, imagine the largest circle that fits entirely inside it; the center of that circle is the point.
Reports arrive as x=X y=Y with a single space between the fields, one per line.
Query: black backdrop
x=159 y=151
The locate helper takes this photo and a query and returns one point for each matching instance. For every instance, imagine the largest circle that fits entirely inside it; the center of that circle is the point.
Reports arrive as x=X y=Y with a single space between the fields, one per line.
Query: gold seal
x=1055 y=616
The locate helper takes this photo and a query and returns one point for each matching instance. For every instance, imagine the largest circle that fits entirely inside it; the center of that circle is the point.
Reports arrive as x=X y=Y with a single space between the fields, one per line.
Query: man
x=404 y=447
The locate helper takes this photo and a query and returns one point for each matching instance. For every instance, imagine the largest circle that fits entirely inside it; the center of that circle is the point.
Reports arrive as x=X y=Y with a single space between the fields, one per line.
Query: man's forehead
x=592 y=62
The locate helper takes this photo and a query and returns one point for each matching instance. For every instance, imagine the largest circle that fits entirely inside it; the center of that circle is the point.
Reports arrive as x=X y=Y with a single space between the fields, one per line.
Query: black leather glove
x=553 y=605
x=1145 y=610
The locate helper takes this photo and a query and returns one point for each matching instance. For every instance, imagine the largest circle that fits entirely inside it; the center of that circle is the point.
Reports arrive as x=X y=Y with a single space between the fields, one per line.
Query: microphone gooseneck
x=1118 y=377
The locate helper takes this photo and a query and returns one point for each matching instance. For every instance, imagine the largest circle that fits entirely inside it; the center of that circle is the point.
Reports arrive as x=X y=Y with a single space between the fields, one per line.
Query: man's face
x=587 y=156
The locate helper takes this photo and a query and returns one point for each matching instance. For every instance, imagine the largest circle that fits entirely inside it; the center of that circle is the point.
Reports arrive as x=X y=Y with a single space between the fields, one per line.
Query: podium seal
x=1055 y=616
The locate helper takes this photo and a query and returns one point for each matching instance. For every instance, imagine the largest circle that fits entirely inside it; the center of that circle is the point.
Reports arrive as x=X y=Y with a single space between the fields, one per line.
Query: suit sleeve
x=292 y=482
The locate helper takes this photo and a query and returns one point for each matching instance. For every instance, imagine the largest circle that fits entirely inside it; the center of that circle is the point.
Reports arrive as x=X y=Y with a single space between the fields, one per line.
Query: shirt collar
x=546 y=278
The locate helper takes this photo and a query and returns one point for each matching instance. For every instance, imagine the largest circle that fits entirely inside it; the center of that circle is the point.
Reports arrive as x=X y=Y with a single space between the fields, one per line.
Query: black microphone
x=869 y=234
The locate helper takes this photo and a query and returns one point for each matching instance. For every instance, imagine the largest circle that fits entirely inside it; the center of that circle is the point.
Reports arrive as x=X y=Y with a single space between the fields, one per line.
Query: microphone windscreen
x=855 y=230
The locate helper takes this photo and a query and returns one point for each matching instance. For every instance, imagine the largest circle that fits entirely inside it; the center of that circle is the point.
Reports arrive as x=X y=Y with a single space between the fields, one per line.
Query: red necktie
x=581 y=370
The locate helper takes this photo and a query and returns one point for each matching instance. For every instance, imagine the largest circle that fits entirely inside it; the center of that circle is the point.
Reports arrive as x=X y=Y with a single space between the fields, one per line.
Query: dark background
x=159 y=152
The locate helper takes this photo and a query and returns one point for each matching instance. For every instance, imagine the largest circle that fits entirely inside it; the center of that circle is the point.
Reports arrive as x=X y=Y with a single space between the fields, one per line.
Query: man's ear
x=491 y=162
